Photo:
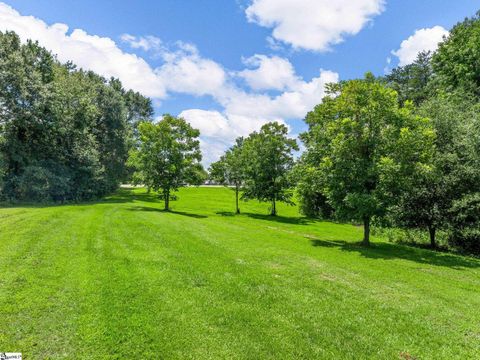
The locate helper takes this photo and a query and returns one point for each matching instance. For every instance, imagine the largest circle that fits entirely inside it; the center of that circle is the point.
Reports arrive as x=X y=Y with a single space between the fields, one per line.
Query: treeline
x=400 y=151
x=65 y=133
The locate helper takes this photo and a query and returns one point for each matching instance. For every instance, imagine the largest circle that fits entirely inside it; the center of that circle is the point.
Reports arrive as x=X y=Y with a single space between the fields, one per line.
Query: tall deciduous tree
x=269 y=159
x=230 y=169
x=169 y=155
x=366 y=148
x=456 y=165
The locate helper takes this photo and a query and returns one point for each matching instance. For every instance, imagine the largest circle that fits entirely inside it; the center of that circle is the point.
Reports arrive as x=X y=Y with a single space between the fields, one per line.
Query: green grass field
x=120 y=279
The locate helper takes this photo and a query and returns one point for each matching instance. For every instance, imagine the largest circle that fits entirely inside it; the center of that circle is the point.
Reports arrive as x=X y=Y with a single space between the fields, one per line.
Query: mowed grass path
x=121 y=279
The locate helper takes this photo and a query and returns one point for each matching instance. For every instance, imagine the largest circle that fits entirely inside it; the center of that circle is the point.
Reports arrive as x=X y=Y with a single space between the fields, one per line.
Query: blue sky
x=230 y=65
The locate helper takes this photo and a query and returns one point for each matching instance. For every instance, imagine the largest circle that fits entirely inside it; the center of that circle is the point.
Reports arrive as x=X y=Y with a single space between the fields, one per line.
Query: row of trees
x=65 y=133
x=401 y=150
x=167 y=157
x=362 y=151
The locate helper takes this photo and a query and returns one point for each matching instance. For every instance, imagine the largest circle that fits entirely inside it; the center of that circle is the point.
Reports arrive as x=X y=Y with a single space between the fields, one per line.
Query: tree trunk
x=274 y=207
x=236 y=200
x=366 y=231
x=166 y=195
x=432 y=230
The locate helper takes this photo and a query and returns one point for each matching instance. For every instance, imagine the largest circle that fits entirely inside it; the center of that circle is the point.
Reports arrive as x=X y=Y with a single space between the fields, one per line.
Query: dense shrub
x=314 y=204
x=41 y=183
x=465 y=220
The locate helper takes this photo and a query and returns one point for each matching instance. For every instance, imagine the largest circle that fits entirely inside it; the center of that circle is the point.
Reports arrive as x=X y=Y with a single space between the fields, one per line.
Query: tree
x=455 y=165
x=269 y=159
x=365 y=148
x=412 y=81
x=169 y=155
x=230 y=169
x=456 y=62
x=139 y=108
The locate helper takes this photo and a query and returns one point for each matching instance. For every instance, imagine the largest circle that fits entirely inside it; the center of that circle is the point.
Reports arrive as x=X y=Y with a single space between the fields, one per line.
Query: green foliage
x=427 y=202
x=169 y=156
x=65 y=133
x=412 y=81
x=310 y=192
x=456 y=62
x=465 y=221
x=447 y=91
x=365 y=149
x=268 y=161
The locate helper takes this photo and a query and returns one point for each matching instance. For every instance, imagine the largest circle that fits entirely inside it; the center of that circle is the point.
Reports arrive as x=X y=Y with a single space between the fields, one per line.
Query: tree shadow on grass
x=277 y=218
x=387 y=251
x=120 y=196
x=282 y=219
x=174 y=212
x=126 y=195
x=226 y=213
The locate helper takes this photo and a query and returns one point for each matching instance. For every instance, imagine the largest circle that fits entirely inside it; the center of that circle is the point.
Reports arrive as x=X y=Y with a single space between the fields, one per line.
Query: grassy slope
x=120 y=278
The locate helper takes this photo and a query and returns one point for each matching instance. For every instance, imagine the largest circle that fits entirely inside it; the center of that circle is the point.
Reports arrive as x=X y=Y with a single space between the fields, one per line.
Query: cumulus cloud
x=212 y=124
x=422 y=40
x=269 y=73
x=219 y=130
x=145 y=43
x=291 y=104
x=185 y=71
x=313 y=24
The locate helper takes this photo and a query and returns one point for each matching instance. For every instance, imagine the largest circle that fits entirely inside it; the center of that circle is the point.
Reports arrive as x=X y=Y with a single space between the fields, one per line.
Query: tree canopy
x=168 y=156
x=457 y=61
x=269 y=159
x=365 y=148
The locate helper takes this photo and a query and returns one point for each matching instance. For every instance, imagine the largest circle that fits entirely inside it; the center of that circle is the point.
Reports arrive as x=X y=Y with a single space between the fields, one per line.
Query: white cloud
x=219 y=130
x=422 y=40
x=292 y=104
x=145 y=43
x=185 y=71
x=313 y=24
x=269 y=73
x=211 y=123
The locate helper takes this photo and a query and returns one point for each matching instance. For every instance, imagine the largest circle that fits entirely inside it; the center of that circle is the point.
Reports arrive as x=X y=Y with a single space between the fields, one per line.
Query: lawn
x=120 y=278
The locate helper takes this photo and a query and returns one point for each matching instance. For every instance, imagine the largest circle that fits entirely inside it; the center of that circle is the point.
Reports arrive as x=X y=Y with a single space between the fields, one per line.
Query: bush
x=409 y=236
x=465 y=223
x=41 y=184
x=314 y=204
